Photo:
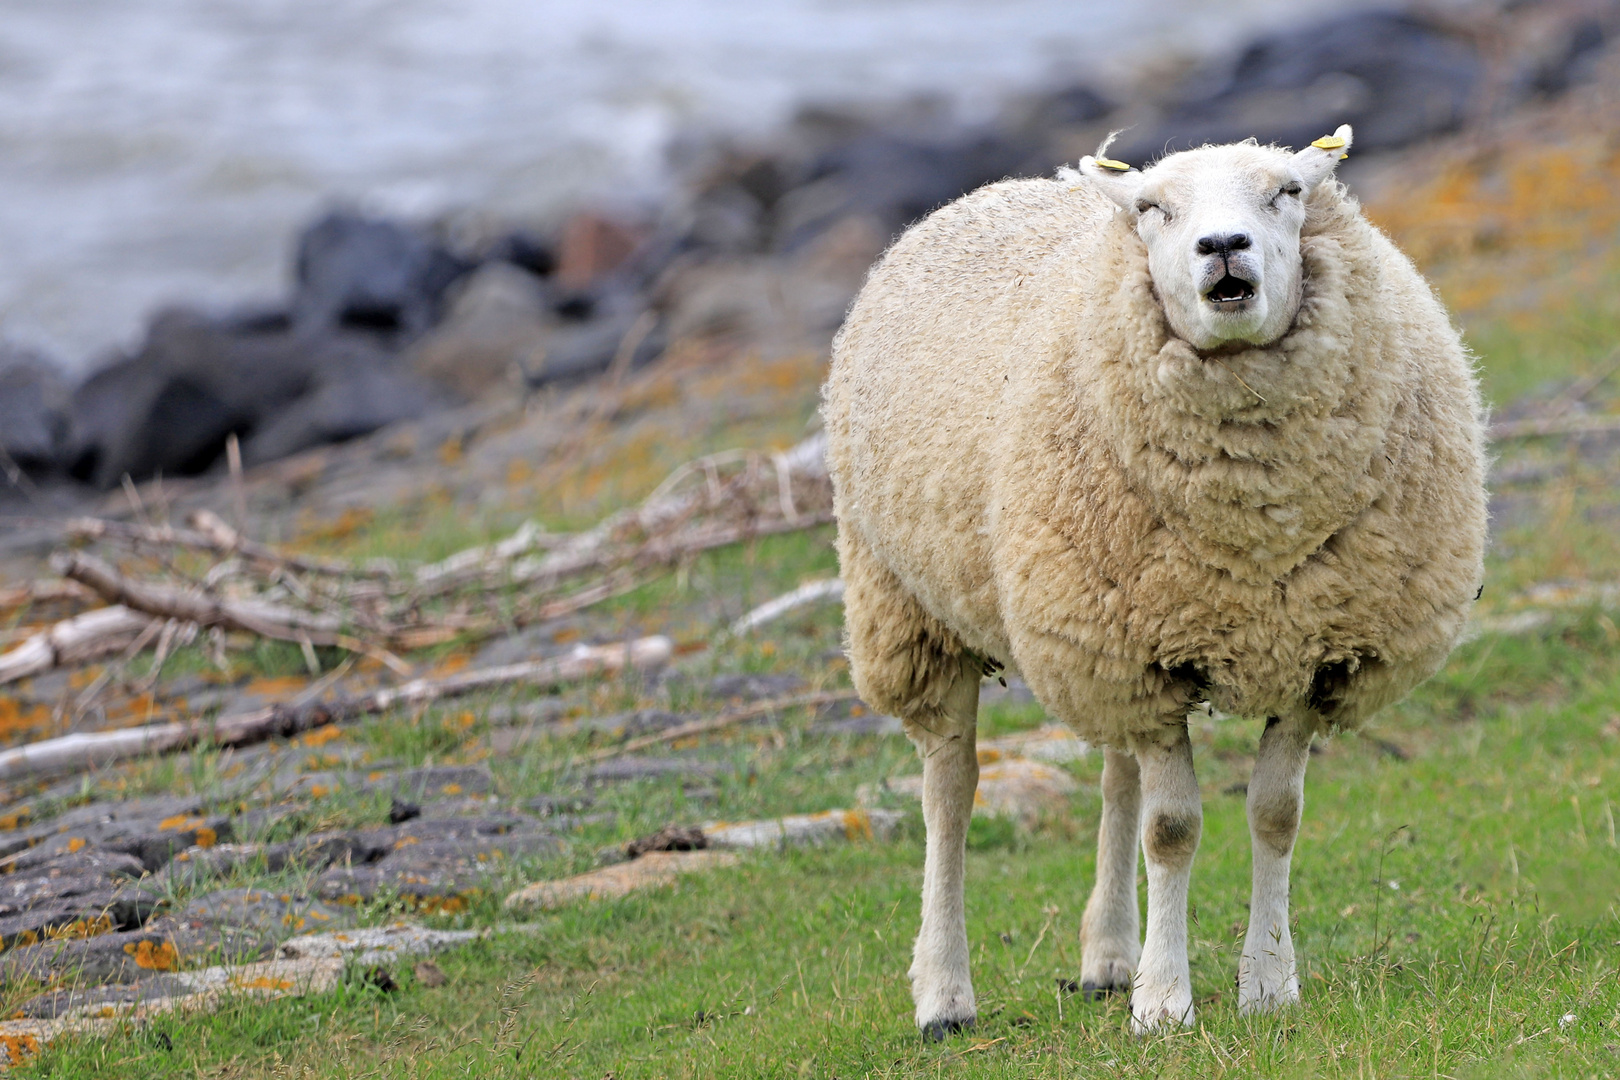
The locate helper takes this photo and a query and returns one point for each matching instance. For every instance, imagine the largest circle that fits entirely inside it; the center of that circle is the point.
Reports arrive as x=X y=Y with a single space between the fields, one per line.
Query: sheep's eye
x=1143 y=206
x=1291 y=188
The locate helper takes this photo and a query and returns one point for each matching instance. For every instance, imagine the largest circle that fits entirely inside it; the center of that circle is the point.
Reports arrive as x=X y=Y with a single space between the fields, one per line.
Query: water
x=167 y=150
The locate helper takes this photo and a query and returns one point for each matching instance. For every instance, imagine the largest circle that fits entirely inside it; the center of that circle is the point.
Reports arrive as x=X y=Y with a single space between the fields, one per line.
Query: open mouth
x=1230 y=290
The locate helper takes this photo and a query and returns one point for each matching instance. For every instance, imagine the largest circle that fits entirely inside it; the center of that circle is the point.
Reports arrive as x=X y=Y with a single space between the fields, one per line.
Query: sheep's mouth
x=1229 y=290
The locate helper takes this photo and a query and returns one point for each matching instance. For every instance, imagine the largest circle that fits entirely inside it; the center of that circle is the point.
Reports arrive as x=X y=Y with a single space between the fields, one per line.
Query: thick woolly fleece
x=1029 y=466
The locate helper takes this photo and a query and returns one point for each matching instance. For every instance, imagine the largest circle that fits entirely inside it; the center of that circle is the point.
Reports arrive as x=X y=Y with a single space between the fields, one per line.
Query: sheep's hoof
x=1090 y=991
x=938 y=1030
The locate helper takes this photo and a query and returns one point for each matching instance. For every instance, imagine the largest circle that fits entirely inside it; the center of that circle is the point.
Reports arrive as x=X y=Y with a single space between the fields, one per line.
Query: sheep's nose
x=1223 y=243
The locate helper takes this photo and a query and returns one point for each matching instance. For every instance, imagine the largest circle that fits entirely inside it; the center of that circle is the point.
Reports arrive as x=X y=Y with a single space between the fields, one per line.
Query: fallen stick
x=253 y=616
x=88 y=751
x=1554 y=425
x=44 y=592
x=74 y=641
x=210 y=534
x=771 y=610
x=724 y=720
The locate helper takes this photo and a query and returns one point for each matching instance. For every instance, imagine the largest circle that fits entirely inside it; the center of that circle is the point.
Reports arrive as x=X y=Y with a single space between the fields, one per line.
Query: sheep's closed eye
x=1290 y=188
x=1143 y=206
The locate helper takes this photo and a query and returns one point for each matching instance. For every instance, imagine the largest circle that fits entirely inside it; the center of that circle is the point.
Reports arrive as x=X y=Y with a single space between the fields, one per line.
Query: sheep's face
x=1221 y=225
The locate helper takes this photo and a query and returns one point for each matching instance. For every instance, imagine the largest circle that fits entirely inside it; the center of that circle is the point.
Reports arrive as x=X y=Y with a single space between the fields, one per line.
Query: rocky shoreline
x=391 y=321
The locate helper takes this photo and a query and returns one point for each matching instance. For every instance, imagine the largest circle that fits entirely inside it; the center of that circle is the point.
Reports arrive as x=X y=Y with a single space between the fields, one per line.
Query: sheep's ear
x=1117 y=180
x=1317 y=161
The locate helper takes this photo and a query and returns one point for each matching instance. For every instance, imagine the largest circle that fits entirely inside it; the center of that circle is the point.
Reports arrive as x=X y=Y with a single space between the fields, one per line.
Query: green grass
x=1452 y=906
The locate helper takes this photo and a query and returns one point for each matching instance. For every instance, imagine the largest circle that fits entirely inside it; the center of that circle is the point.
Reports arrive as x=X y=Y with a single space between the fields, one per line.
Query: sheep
x=1154 y=439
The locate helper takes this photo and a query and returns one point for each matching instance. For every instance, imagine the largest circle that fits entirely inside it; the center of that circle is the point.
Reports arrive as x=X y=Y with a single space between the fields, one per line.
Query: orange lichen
x=79 y=929
x=19 y=1048
x=162 y=956
x=16 y=818
x=206 y=837
x=179 y=823
x=264 y=982
x=320 y=736
x=75 y=844
x=16 y=720
x=277 y=686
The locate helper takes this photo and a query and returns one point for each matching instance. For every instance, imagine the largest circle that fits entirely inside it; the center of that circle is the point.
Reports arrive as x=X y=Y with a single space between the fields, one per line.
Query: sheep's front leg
x=1172 y=821
x=940 y=983
x=1267 y=978
x=1110 y=933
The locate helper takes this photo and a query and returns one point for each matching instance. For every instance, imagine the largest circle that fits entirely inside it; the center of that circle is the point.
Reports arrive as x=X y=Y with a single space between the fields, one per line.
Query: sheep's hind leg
x=1267 y=978
x=1172 y=821
x=1110 y=933
x=941 y=985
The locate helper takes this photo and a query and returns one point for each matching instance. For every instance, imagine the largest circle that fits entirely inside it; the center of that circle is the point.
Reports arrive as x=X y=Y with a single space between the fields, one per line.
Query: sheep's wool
x=1028 y=465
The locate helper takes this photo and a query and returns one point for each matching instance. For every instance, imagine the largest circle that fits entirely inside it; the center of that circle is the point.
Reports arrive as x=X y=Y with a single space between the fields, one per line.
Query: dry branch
x=254 y=616
x=1554 y=425
x=78 y=640
x=89 y=751
x=724 y=720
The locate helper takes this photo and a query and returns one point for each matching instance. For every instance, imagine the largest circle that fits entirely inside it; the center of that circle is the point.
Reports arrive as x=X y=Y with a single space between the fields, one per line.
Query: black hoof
x=1098 y=991
x=937 y=1030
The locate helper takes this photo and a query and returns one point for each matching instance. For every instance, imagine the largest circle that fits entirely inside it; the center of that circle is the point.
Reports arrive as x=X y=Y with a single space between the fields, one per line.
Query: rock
x=1395 y=76
x=366 y=274
x=623 y=769
x=56 y=1003
x=434 y=866
x=375 y=944
x=85 y=915
x=122 y=956
x=153 y=842
x=579 y=349
x=798 y=830
x=1012 y=787
x=894 y=179
x=652 y=870
x=197 y=379
x=1049 y=742
x=314 y=852
x=344 y=406
x=266 y=911
x=496 y=329
x=33 y=409
x=79 y=874
x=434 y=781
x=592 y=247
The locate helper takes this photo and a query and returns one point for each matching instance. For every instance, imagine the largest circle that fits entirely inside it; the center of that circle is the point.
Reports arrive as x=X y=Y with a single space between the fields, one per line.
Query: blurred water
x=160 y=150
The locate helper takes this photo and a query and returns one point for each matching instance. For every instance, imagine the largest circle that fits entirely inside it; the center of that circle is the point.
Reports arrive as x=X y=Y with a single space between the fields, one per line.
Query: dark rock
x=496 y=329
x=894 y=178
x=366 y=274
x=400 y=812
x=33 y=403
x=313 y=852
x=589 y=347
x=524 y=249
x=265 y=910
x=54 y=1003
x=1395 y=76
x=344 y=406
x=1572 y=59
x=434 y=781
x=434 y=874
x=197 y=380
x=86 y=915
x=85 y=873
x=620 y=770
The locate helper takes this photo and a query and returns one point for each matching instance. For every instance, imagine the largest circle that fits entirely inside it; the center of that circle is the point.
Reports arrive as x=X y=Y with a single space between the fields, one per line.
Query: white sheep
x=1152 y=438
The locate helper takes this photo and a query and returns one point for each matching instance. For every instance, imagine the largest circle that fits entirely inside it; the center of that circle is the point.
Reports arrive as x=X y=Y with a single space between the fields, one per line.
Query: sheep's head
x=1221 y=225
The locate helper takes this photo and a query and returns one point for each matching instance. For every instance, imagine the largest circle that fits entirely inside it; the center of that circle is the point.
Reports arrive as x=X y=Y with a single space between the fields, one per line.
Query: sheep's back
x=918 y=371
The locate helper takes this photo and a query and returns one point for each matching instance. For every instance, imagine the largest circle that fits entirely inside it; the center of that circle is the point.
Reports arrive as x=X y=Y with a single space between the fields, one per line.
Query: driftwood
x=78 y=640
x=723 y=721
x=809 y=593
x=1537 y=427
x=87 y=751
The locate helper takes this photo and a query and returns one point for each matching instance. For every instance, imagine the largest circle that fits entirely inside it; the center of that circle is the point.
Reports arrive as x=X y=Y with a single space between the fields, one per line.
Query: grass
x=1455 y=880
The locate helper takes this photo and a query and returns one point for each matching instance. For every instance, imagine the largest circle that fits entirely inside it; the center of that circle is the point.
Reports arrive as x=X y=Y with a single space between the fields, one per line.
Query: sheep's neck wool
x=1253 y=460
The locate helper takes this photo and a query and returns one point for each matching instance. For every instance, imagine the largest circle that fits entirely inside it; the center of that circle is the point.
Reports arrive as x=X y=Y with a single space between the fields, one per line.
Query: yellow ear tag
x=1328 y=142
x=1120 y=166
